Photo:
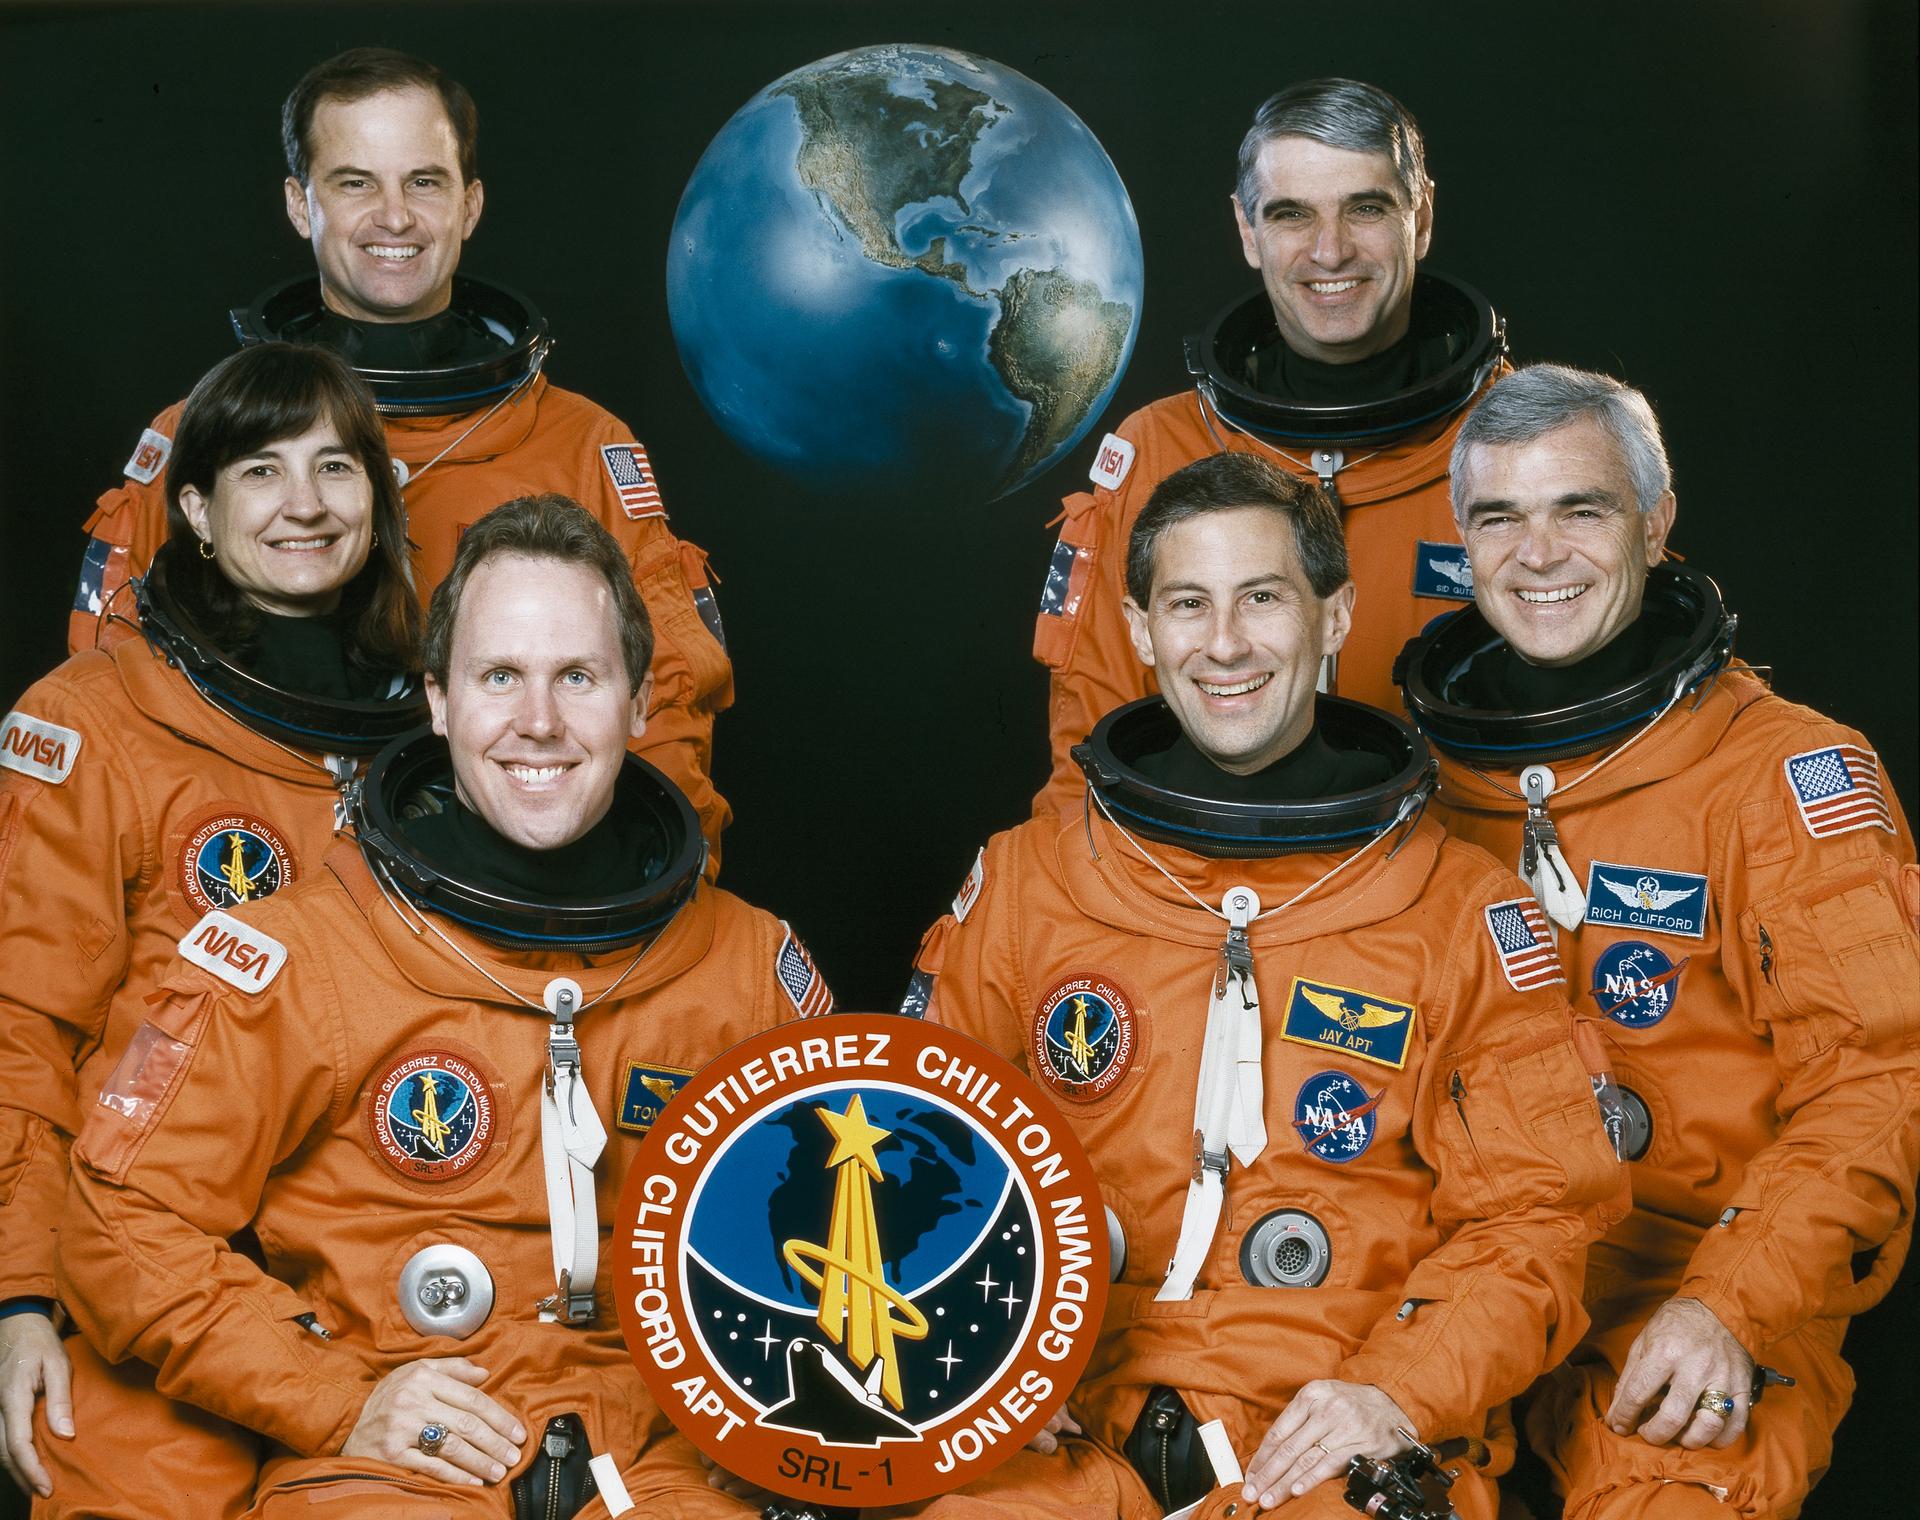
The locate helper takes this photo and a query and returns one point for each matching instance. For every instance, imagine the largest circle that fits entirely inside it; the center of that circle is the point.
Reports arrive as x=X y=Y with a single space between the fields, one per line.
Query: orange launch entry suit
x=1771 y=1027
x=129 y=805
x=1458 y=1193
x=256 y=1099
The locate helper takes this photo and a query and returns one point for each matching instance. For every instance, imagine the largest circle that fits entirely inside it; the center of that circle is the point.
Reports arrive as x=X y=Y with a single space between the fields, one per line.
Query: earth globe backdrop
x=905 y=270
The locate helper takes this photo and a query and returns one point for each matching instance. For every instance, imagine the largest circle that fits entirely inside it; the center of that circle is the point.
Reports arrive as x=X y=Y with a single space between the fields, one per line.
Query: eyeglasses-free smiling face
x=536 y=710
x=1559 y=546
x=289 y=524
x=1335 y=238
x=385 y=206
x=1235 y=635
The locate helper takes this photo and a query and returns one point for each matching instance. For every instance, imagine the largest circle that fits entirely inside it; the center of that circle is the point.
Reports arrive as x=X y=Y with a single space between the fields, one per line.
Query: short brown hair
x=1223 y=482
x=259 y=396
x=360 y=72
x=541 y=527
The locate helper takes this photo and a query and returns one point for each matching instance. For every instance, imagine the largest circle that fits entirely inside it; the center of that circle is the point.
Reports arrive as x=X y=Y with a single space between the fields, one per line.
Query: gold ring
x=1323 y=1450
x=1713 y=1401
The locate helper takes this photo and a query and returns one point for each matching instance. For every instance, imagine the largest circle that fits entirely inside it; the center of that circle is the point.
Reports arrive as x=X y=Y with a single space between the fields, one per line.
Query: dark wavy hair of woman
x=246 y=402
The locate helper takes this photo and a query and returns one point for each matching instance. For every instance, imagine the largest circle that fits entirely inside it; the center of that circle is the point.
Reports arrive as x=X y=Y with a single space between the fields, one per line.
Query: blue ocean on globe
x=940 y=1190
x=905 y=270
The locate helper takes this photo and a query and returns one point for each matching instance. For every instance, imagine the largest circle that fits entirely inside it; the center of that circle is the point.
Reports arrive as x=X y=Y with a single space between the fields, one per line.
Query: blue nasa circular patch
x=1334 y=1117
x=1635 y=983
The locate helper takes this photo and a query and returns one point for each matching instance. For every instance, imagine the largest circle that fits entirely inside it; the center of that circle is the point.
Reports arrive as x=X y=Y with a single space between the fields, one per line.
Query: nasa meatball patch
x=860 y=1261
x=229 y=858
x=1635 y=984
x=1084 y=1037
x=1641 y=897
x=434 y=1115
x=1334 y=1117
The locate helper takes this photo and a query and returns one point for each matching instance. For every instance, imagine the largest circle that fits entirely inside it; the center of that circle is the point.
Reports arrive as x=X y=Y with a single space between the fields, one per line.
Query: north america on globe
x=941 y=287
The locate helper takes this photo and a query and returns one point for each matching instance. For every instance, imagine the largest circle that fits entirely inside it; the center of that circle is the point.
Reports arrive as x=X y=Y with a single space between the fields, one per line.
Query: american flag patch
x=800 y=979
x=632 y=479
x=1838 y=789
x=1520 y=934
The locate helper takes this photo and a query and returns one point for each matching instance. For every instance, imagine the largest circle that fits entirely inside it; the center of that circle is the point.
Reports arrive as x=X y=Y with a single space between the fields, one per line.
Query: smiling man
x=1350 y=366
x=383 y=183
x=1317 y=1051
x=1734 y=888
x=416 y=1076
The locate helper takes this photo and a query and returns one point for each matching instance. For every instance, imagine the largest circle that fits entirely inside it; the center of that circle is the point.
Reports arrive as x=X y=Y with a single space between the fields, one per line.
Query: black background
x=1713 y=201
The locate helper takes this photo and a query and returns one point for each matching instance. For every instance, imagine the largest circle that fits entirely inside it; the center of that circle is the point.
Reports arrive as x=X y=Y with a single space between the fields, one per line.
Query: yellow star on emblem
x=853 y=1138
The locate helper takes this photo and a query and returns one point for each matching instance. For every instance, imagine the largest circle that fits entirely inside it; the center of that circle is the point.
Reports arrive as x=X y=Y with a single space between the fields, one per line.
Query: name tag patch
x=1641 y=897
x=1442 y=570
x=646 y=1091
x=233 y=951
x=34 y=747
x=1360 y=1024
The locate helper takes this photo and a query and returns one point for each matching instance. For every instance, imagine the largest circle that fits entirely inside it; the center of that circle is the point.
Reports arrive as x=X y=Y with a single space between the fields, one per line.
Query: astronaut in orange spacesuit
x=1734 y=888
x=198 y=766
x=417 y=1079
x=1319 y=1053
x=382 y=181
x=1349 y=366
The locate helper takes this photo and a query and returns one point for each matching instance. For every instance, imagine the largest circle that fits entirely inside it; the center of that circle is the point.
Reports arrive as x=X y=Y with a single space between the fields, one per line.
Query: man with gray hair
x=1734 y=891
x=1349 y=366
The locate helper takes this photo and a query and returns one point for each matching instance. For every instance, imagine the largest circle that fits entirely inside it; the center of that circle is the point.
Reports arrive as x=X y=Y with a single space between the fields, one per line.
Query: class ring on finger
x=432 y=1438
x=1713 y=1401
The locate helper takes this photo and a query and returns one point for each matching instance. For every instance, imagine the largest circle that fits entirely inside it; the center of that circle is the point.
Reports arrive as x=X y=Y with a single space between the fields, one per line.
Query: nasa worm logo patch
x=1635 y=983
x=231 y=858
x=1084 y=1037
x=860 y=1266
x=433 y=1116
x=1335 y=1117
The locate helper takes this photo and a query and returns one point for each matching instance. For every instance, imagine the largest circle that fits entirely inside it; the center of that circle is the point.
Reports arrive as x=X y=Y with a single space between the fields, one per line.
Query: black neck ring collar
x=418 y=763
x=1255 y=830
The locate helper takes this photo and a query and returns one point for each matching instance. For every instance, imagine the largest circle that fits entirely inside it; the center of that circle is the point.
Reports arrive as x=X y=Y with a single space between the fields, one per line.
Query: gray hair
x=1340 y=113
x=1543 y=398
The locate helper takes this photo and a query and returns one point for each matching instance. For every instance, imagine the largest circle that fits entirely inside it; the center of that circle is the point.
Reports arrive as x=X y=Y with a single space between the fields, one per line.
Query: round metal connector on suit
x=1286 y=1249
x=446 y=1290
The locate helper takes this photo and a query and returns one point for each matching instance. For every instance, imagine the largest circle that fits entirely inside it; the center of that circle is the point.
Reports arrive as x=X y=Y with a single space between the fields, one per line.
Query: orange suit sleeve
x=692 y=674
x=1080 y=634
x=128 y=525
x=1507 y=1119
x=215 y=1090
x=71 y=848
x=1821 y=948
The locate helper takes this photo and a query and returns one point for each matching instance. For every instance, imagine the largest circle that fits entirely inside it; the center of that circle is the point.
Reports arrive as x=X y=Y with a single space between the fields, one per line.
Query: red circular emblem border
x=204 y=827
x=488 y=1131
x=653 y=1224
x=1122 y=1005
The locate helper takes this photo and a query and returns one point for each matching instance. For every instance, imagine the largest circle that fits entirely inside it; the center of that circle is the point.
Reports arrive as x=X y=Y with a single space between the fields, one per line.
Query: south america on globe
x=905 y=271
